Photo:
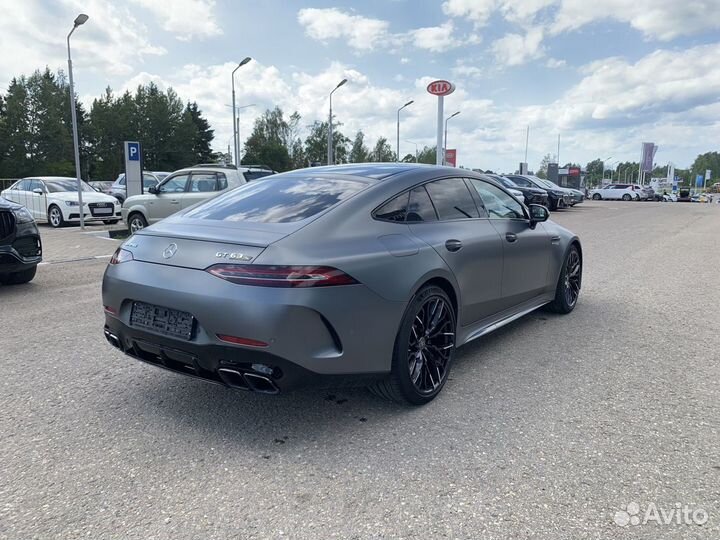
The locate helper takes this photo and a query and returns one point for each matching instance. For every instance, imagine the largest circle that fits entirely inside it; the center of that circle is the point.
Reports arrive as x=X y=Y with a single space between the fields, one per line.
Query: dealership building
x=571 y=177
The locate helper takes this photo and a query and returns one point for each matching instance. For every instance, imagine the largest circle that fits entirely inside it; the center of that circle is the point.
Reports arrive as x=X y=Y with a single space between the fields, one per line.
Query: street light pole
x=397 y=155
x=416 y=149
x=445 y=143
x=79 y=20
x=330 y=127
x=235 y=121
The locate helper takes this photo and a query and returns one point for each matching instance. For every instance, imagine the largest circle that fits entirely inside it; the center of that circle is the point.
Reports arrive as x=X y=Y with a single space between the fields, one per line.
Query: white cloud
x=554 y=63
x=517 y=49
x=112 y=43
x=478 y=11
x=362 y=33
x=435 y=38
x=187 y=19
x=366 y=34
x=656 y=19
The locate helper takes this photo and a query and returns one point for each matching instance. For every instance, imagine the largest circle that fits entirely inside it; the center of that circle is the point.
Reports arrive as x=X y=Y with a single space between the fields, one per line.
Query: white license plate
x=103 y=210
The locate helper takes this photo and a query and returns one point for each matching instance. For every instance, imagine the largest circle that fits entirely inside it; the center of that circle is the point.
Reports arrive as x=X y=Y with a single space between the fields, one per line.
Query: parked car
x=557 y=197
x=624 y=192
x=150 y=179
x=577 y=195
x=179 y=190
x=368 y=271
x=646 y=192
x=55 y=199
x=20 y=245
x=669 y=197
x=103 y=186
x=531 y=195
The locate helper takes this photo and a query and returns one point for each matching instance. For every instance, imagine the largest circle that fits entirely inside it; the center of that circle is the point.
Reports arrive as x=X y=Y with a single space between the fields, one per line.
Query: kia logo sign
x=441 y=88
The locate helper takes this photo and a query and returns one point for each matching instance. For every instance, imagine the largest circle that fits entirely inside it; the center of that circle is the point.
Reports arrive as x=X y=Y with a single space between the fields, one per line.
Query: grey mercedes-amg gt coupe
x=372 y=272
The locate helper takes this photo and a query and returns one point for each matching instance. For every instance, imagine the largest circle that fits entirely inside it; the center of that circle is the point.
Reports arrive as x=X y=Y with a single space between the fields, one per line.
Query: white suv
x=625 y=192
x=183 y=189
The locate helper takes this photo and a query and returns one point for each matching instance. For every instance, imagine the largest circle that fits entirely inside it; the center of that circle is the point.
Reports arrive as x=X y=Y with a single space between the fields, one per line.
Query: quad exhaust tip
x=248 y=381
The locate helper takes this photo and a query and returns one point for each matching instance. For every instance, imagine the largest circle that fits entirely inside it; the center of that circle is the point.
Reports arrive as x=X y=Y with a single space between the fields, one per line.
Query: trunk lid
x=202 y=243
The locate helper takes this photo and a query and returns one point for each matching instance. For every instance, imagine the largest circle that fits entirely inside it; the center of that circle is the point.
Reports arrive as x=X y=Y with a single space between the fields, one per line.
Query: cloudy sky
x=606 y=75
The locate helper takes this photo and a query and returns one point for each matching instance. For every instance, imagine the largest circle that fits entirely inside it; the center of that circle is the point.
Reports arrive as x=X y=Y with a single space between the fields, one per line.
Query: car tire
x=110 y=221
x=136 y=222
x=424 y=350
x=18 y=278
x=596 y=197
x=626 y=197
x=569 y=283
x=55 y=217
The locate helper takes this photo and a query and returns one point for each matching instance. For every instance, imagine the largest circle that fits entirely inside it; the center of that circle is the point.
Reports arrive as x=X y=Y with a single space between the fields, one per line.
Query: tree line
x=276 y=141
x=36 y=130
x=628 y=171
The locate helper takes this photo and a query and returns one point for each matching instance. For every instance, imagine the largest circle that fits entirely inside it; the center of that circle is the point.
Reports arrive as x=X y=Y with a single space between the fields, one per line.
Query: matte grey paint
x=493 y=279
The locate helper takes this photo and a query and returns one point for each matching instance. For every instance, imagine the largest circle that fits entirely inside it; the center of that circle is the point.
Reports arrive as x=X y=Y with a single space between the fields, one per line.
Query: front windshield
x=59 y=186
x=507 y=182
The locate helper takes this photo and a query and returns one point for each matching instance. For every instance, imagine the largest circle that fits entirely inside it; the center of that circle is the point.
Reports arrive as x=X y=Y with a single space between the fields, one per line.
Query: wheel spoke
x=430 y=345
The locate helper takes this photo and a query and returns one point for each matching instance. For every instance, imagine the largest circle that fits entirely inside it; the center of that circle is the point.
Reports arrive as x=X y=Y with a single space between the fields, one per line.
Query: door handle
x=510 y=237
x=174 y=202
x=453 y=245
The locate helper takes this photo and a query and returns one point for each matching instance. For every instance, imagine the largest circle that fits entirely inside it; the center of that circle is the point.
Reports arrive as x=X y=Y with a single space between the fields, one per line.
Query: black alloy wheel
x=424 y=350
x=569 y=283
x=432 y=338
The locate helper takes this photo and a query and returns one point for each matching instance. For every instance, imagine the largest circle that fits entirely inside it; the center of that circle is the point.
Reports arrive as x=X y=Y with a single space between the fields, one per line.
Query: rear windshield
x=254 y=175
x=278 y=199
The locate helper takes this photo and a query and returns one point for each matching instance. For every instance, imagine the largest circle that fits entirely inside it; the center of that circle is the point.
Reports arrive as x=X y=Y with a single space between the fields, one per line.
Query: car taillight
x=281 y=276
x=120 y=256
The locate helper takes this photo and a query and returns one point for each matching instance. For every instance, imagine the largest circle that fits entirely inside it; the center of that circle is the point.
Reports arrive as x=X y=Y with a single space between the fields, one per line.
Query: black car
x=532 y=195
x=557 y=198
x=20 y=246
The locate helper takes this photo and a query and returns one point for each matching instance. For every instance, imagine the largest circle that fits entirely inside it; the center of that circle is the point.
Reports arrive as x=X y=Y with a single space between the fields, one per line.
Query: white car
x=624 y=192
x=55 y=199
x=183 y=189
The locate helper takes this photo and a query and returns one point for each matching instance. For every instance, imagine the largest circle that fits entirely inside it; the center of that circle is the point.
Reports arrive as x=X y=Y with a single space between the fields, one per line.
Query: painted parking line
x=95 y=257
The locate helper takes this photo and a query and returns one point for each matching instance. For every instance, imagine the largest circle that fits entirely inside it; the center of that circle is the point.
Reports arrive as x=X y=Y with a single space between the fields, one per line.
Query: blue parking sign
x=134 y=151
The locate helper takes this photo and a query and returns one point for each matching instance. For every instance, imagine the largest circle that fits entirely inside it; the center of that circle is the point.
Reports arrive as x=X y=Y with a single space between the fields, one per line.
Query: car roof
x=50 y=178
x=375 y=171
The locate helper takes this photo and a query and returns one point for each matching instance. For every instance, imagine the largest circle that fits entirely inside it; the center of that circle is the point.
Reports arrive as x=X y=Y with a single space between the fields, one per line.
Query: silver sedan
x=373 y=272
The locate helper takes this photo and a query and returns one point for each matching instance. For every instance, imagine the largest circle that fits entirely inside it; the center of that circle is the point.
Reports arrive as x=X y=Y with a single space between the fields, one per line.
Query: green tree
x=594 y=172
x=316 y=143
x=359 y=153
x=267 y=145
x=708 y=161
x=382 y=151
x=546 y=160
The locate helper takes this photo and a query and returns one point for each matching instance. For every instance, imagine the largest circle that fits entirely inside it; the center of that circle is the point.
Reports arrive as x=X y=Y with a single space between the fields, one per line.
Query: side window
x=499 y=205
x=394 y=210
x=122 y=180
x=420 y=207
x=452 y=199
x=203 y=182
x=221 y=181
x=35 y=184
x=174 y=184
x=521 y=181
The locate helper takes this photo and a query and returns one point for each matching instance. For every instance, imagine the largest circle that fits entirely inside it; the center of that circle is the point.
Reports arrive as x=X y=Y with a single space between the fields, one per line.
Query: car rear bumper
x=311 y=334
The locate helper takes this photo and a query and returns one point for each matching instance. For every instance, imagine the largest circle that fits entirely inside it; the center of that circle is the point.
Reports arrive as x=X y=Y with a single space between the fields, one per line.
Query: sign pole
x=440 y=114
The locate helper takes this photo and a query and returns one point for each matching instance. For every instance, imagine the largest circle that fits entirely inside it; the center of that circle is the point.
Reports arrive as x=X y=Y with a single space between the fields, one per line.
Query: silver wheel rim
x=55 y=217
x=136 y=224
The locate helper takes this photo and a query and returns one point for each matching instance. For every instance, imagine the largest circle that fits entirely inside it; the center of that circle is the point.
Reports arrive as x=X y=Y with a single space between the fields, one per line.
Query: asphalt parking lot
x=545 y=429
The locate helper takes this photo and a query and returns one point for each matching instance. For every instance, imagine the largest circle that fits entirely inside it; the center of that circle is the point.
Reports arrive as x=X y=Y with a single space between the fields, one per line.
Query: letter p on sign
x=133 y=151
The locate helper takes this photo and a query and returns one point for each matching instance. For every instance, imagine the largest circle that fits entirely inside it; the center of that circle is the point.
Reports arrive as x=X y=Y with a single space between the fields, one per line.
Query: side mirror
x=153 y=190
x=38 y=190
x=538 y=214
